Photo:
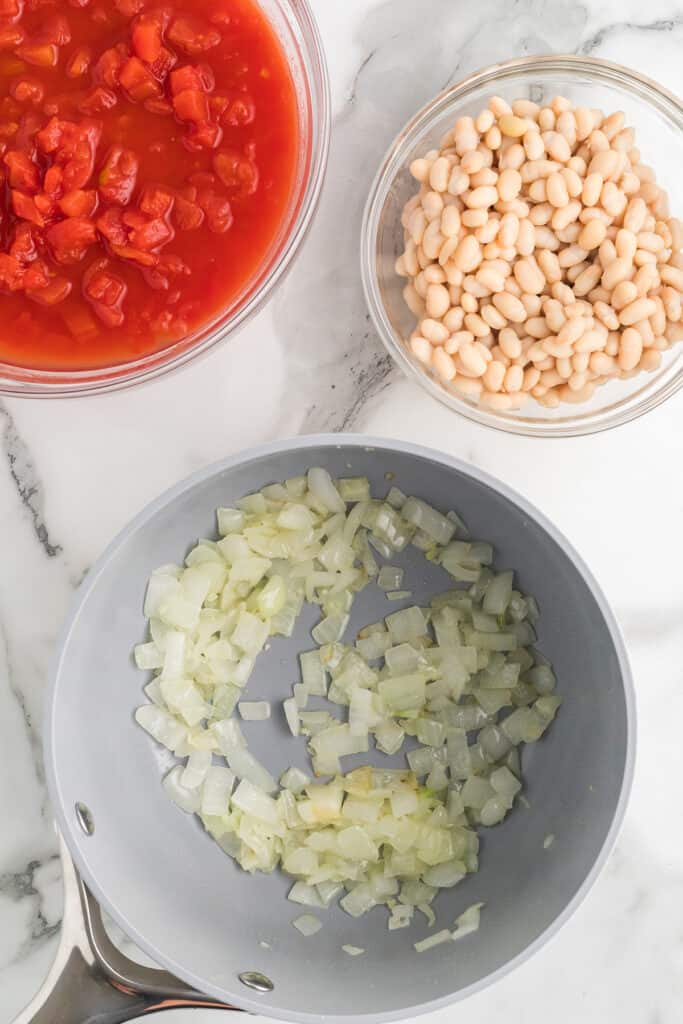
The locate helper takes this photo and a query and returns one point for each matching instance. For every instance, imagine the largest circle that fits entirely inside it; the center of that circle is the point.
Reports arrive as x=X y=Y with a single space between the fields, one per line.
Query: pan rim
x=68 y=828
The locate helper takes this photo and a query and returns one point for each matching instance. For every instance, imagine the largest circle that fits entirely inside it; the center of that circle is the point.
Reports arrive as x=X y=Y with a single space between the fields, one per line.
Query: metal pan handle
x=91 y=980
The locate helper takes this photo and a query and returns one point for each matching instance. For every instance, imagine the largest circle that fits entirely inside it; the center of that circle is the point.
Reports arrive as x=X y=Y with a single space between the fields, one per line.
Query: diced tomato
x=79 y=63
x=28 y=90
x=167 y=269
x=58 y=289
x=23 y=247
x=46 y=206
x=110 y=225
x=11 y=273
x=163 y=64
x=199 y=78
x=105 y=291
x=188 y=215
x=156 y=201
x=79 y=3
x=78 y=170
x=24 y=206
x=41 y=55
x=138 y=80
x=98 y=100
x=193 y=35
x=12 y=9
x=63 y=104
x=52 y=182
x=161 y=107
x=79 y=203
x=37 y=275
x=11 y=36
x=118 y=176
x=74 y=145
x=23 y=173
x=29 y=124
x=217 y=209
x=236 y=171
x=241 y=112
x=70 y=239
x=128 y=252
x=148 y=32
x=203 y=136
x=153 y=235
x=107 y=70
x=54 y=29
x=50 y=137
x=191 y=105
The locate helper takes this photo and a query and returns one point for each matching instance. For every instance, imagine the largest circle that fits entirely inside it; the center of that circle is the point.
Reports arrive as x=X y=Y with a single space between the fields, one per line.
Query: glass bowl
x=657 y=117
x=297 y=31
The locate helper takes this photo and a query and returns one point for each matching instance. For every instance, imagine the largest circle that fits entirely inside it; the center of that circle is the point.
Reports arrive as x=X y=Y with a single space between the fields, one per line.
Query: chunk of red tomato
x=156 y=201
x=25 y=207
x=51 y=294
x=217 y=209
x=54 y=30
x=189 y=77
x=11 y=36
x=40 y=55
x=11 y=9
x=193 y=35
x=11 y=273
x=138 y=81
x=191 y=105
x=110 y=225
x=23 y=173
x=98 y=100
x=27 y=89
x=236 y=171
x=70 y=239
x=79 y=203
x=107 y=70
x=203 y=136
x=118 y=176
x=106 y=292
x=23 y=247
x=188 y=215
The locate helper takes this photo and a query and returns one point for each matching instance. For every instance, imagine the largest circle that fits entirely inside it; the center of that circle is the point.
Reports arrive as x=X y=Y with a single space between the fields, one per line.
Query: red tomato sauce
x=147 y=158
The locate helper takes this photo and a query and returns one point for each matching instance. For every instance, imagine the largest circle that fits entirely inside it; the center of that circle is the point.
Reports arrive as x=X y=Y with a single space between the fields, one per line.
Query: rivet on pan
x=254 y=979
x=85 y=819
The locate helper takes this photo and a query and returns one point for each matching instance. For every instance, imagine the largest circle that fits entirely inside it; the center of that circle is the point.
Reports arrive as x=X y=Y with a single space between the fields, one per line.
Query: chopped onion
x=353 y=950
x=307 y=925
x=292 y=715
x=216 y=791
x=245 y=766
x=254 y=710
x=465 y=664
x=467 y=922
x=390 y=577
x=433 y=940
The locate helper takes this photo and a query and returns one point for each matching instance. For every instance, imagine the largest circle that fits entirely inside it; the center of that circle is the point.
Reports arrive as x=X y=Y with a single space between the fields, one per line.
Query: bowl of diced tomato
x=161 y=164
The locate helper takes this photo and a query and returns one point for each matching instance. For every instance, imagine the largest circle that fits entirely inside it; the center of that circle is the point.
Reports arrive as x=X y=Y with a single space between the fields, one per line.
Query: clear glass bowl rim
x=609 y=73
x=18 y=381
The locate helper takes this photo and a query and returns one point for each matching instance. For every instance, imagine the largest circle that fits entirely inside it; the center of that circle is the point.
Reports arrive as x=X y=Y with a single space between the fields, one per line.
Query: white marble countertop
x=72 y=474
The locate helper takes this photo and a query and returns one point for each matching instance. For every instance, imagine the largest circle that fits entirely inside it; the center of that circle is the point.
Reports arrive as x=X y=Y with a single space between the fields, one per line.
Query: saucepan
x=227 y=934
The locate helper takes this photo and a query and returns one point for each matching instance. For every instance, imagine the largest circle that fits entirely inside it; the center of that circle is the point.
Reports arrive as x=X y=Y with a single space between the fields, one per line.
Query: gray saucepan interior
x=188 y=904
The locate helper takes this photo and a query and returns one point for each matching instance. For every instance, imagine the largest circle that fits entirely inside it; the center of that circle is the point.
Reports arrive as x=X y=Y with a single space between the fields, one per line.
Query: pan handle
x=91 y=980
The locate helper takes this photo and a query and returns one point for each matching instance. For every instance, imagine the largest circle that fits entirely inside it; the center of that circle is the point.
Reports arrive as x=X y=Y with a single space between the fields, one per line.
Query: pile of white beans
x=541 y=257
